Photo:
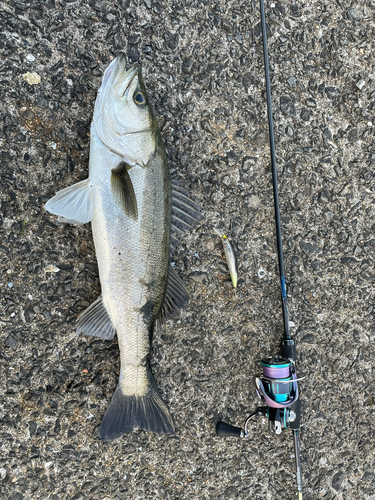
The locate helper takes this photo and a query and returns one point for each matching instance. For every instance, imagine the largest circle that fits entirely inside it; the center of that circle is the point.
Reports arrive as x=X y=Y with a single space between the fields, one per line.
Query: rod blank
x=274 y=175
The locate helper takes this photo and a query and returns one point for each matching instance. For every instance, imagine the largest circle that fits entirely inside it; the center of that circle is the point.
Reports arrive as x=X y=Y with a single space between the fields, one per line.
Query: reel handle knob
x=223 y=429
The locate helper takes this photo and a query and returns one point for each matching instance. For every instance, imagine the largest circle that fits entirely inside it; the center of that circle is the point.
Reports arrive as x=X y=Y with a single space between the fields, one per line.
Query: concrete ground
x=203 y=68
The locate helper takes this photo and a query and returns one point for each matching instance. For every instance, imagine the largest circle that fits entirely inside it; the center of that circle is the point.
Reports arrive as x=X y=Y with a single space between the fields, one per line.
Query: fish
x=138 y=216
x=230 y=258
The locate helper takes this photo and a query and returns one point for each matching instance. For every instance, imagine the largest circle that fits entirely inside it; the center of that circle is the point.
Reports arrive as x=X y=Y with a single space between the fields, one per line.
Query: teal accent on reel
x=275 y=365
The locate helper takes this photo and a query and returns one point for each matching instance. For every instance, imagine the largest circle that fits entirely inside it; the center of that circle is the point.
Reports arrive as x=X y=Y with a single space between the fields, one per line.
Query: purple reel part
x=277 y=386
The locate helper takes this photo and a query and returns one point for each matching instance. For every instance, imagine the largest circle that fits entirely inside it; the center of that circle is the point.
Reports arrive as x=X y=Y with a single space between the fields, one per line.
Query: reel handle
x=223 y=429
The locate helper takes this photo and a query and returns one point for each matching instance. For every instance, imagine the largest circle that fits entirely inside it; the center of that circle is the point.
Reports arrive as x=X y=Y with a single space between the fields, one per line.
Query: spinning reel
x=277 y=388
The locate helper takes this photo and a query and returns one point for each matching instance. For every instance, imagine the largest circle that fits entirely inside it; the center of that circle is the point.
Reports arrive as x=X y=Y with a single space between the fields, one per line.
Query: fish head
x=123 y=119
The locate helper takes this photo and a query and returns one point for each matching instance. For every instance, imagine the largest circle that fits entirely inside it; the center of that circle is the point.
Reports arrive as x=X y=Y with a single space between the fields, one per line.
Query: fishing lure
x=230 y=257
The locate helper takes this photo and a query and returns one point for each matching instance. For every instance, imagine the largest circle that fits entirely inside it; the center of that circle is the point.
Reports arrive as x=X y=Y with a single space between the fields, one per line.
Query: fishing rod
x=277 y=386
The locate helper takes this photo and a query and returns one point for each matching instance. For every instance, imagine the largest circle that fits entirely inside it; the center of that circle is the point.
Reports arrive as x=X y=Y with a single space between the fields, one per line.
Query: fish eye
x=139 y=99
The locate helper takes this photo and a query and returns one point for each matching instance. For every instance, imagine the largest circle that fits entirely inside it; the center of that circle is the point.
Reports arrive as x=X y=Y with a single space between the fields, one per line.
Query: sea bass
x=137 y=217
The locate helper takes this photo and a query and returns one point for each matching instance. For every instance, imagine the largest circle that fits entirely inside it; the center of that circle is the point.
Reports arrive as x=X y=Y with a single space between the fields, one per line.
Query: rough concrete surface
x=203 y=68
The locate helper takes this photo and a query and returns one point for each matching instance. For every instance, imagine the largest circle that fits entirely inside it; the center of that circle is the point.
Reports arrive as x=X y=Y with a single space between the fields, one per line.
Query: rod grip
x=223 y=429
x=288 y=349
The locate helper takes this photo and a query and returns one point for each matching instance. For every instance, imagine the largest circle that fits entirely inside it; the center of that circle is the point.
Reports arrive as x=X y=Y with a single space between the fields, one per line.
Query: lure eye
x=139 y=99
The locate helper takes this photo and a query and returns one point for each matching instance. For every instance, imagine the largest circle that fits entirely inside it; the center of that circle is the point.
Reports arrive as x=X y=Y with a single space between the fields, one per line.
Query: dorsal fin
x=185 y=214
x=176 y=297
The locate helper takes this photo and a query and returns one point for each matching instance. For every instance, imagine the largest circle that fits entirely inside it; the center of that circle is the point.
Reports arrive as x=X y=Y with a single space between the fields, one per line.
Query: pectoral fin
x=74 y=203
x=123 y=191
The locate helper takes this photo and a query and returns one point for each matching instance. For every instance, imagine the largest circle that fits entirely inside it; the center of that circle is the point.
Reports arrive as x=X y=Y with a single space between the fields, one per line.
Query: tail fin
x=126 y=413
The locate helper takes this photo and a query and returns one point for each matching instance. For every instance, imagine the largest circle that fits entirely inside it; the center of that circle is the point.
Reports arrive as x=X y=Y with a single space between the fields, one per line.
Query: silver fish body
x=133 y=207
x=133 y=256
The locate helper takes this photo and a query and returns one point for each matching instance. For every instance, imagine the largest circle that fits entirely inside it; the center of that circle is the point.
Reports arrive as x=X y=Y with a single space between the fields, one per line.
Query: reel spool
x=277 y=389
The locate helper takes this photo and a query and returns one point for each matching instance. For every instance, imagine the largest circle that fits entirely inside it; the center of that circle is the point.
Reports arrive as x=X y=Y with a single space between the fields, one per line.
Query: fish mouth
x=116 y=76
x=127 y=79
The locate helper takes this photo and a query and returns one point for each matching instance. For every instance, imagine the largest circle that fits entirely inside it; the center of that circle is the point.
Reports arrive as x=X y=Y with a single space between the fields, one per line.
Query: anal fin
x=95 y=321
